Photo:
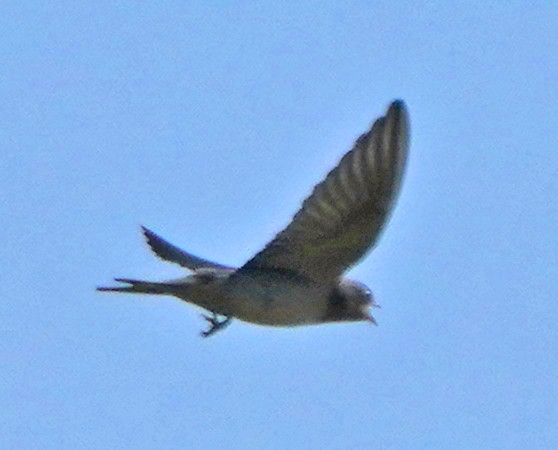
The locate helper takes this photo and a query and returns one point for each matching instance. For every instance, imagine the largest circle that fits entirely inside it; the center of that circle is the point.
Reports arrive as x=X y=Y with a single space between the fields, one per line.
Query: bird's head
x=350 y=301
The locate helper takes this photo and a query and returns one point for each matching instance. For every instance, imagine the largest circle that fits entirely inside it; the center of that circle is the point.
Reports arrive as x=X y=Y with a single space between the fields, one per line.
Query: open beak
x=370 y=318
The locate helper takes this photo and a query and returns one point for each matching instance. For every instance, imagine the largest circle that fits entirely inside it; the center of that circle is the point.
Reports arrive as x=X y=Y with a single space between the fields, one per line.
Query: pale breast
x=268 y=298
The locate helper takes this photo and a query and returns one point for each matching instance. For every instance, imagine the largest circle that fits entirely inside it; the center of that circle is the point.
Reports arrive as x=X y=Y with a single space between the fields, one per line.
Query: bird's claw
x=215 y=323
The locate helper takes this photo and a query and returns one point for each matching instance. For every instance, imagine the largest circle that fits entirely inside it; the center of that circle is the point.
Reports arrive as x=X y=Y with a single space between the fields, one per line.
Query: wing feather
x=345 y=214
x=169 y=252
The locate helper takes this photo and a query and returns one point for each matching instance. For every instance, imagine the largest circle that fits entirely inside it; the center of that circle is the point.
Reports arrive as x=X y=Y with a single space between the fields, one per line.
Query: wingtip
x=397 y=120
x=397 y=106
x=145 y=231
x=149 y=236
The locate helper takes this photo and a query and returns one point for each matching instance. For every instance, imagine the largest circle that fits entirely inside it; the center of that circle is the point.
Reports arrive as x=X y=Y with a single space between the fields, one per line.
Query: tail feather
x=139 y=287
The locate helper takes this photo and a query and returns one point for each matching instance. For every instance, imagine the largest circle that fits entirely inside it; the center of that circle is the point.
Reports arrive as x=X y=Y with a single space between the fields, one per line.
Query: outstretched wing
x=169 y=252
x=343 y=217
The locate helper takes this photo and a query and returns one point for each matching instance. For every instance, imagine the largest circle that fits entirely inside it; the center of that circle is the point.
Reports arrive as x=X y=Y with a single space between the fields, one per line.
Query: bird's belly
x=276 y=315
x=277 y=303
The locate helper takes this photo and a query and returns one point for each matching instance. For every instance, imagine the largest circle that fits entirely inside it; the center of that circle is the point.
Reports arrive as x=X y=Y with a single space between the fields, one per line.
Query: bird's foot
x=215 y=323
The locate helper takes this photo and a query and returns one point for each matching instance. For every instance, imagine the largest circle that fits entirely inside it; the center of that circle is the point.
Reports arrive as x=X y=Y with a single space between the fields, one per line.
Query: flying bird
x=297 y=279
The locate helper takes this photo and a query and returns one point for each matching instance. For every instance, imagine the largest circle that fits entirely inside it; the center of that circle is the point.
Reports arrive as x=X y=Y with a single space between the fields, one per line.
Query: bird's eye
x=369 y=296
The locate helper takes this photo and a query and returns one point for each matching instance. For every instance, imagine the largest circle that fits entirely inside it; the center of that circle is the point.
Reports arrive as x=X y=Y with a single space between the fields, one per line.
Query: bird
x=298 y=278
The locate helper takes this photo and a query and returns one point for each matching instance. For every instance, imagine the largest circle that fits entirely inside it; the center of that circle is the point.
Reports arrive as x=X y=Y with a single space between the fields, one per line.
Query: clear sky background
x=210 y=122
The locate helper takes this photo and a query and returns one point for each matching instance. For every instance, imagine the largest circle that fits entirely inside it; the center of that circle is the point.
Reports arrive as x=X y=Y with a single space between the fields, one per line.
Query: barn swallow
x=297 y=279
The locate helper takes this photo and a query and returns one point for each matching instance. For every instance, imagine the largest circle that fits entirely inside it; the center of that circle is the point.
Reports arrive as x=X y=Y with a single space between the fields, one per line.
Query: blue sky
x=210 y=123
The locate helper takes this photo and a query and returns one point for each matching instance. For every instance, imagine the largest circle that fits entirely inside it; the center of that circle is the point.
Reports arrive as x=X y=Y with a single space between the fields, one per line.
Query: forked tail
x=140 y=287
